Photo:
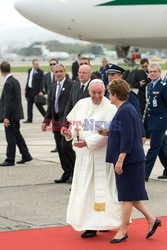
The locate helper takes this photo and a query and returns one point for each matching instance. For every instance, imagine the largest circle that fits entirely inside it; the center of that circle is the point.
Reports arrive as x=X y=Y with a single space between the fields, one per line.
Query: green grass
x=24 y=69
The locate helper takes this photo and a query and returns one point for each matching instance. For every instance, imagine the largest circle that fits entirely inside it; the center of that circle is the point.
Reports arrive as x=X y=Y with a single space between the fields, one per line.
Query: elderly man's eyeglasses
x=153 y=71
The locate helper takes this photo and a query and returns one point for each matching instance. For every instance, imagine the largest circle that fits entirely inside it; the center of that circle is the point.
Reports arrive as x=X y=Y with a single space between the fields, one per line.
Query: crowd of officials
x=62 y=93
x=141 y=104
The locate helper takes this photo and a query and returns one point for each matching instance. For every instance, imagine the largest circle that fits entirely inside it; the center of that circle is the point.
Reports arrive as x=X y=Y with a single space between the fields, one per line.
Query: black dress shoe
x=27 y=121
x=162 y=177
x=61 y=180
x=69 y=181
x=146 y=179
x=88 y=234
x=54 y=150
x=157 y=224
x=119 y=240
x=24 y=160
x=6 y=164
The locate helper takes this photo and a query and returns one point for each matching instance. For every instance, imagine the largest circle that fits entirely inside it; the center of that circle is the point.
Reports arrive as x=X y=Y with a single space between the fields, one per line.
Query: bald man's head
x=84 y=73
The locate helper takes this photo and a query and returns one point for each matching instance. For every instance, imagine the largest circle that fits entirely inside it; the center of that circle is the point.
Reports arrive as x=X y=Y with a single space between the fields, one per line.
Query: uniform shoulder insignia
x=163 y=83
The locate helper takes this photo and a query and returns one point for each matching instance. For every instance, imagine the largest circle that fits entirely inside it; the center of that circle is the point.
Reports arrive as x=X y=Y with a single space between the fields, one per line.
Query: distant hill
x=24 y=36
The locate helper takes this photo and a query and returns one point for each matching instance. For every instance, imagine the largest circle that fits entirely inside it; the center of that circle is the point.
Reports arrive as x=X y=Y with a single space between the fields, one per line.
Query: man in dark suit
x=75 y=67
x=140 y=81
x=80 y=89
x=157 y=121
x=34 y=87
x=57 y=100
x=49 y=80
x=12 y=113
x=49 y=77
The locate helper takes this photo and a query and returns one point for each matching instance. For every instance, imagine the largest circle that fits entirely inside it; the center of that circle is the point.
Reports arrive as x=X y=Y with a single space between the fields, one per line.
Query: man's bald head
x=84 y=73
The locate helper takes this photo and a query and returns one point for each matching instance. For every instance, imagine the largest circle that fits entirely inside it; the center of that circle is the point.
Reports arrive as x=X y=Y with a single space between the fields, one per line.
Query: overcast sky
x=11 y=22
x=9 y=17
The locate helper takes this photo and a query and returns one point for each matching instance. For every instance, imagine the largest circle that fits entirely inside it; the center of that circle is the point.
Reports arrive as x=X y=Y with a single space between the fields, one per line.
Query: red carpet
x=65 y=238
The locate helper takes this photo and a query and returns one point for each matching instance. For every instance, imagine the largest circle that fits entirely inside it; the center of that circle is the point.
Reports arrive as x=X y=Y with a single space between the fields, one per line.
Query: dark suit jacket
x=11 y=104
x=47 y=82
x=139 y=76
x=1 y=112
x=74 y=70
x=125 y=136
x=37 y=82
x=63 y=99
x=74 y=97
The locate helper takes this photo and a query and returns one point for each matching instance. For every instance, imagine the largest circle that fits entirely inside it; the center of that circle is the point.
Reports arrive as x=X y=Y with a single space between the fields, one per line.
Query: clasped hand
x=80 y=144
x=6 y=122
x=65 y=131
x=103 y=132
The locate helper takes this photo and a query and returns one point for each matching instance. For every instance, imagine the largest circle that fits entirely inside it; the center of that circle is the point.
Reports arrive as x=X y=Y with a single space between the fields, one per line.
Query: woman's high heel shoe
x=119 y=240
x=157 y=224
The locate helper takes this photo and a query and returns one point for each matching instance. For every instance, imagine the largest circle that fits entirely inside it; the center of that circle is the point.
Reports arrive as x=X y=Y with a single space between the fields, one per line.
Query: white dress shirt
x=30 y=78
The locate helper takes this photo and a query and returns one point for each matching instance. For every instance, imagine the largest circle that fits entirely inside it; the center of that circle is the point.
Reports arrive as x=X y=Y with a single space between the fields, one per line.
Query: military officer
x=157 y=121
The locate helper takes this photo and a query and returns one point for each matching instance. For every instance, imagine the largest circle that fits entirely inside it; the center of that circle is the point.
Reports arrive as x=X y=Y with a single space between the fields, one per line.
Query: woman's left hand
x=118 y=168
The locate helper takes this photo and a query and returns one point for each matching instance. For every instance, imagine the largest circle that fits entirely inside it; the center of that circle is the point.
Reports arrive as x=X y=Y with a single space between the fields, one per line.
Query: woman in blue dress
x=125 y=151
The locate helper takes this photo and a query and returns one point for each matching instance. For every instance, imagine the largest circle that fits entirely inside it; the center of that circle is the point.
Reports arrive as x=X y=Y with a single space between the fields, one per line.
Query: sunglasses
x=83 y=64
x=53 y=64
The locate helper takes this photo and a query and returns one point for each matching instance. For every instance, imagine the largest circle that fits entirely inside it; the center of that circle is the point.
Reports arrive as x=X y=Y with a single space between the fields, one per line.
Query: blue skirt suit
x=125 y=136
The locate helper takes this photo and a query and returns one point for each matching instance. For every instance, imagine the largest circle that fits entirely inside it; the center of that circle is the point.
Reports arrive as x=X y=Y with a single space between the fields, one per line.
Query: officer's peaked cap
x=113 y=68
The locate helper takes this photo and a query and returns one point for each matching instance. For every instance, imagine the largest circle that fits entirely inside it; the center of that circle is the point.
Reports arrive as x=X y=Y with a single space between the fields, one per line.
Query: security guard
x=157 y=121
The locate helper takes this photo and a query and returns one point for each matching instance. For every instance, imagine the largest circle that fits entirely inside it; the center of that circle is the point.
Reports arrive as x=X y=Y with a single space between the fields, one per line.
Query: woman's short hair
x=119 y=87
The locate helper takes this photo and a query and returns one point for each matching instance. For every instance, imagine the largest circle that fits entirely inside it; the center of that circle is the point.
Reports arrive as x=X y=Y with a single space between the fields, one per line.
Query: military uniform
x=157 y=124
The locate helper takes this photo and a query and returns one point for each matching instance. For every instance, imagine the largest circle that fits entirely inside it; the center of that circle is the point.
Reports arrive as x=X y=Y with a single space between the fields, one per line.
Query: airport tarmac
x=29 y=198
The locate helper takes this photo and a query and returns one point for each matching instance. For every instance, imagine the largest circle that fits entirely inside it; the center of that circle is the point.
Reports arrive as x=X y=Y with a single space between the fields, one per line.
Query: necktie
x=148 y=89
x=57 y=94
x=151 y=85
x=54 y=79
x=82 y=87
x=81 y=91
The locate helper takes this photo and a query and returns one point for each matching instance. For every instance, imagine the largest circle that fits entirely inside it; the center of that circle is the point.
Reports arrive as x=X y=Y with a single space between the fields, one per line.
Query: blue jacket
x=157 y=106
x=134 y=100
x=125 y=136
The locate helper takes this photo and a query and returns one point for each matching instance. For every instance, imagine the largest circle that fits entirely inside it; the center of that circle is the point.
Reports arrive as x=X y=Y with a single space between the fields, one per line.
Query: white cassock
x=93 y=203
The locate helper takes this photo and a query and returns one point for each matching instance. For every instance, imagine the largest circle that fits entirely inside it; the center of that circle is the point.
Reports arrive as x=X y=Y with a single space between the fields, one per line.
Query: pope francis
x=93 y=203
